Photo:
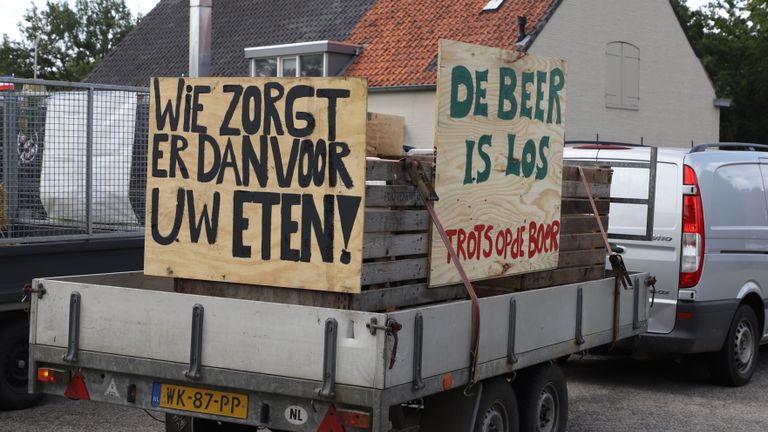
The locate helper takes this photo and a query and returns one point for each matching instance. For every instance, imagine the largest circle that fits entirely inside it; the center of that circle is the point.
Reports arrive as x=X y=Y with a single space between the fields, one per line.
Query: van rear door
x=628 y=227
x=659 y=256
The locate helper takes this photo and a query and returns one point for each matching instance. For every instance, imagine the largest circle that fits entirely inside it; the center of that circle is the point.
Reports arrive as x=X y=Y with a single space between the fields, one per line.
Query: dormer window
x=305 y=59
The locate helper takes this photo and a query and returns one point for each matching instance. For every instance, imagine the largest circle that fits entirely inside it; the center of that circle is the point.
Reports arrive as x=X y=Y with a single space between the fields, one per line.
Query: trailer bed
x=138 y=331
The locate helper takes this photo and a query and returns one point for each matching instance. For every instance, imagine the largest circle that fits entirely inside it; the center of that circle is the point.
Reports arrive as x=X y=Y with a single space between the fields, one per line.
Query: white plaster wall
x=676 y=96
x=418 y=108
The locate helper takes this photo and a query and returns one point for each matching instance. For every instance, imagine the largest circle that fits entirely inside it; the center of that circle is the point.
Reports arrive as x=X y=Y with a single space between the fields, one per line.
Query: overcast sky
x=12 y=11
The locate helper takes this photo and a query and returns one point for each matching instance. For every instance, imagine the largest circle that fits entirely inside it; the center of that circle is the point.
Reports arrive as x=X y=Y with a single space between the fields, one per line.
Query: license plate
x=199 y=400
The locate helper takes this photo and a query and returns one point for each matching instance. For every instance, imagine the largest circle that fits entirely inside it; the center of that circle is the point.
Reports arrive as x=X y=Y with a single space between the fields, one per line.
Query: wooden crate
x=396 y=247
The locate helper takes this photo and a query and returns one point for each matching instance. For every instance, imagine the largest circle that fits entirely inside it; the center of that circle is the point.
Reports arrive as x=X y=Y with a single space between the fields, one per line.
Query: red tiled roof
x=400 y=36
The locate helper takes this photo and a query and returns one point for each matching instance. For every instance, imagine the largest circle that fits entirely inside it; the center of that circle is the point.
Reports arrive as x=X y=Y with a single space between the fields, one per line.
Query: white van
x=706 y=242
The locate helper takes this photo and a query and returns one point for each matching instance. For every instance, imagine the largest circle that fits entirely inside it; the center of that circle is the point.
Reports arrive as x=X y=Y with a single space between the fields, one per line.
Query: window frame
x=621 y=97
x=280 y=58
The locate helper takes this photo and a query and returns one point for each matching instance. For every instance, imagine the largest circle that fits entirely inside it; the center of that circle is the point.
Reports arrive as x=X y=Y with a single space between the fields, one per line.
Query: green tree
x=731 y=38
x=70 y=41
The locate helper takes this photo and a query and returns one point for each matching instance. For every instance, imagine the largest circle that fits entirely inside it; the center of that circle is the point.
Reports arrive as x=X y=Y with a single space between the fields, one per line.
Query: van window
x=633 y=183
x=737 y=198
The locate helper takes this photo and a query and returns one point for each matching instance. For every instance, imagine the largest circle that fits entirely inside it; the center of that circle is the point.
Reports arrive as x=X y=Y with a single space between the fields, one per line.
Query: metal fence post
x=89 y=164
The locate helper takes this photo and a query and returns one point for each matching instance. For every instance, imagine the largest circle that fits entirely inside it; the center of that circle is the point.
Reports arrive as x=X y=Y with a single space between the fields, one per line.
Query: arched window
x=622 y=75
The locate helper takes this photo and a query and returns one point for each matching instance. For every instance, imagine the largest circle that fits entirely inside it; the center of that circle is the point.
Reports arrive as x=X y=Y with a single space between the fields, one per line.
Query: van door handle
x=617 y=248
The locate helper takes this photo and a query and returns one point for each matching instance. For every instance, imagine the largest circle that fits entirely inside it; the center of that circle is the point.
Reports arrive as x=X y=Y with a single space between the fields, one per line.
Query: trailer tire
x=735 y=363
x=497 y=409
x=543 y=399
x=14 y=366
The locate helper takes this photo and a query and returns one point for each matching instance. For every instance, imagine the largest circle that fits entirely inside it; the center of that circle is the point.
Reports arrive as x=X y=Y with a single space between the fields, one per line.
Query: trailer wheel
x=14 y=359
x=543 y=399
x=735 y=363
x=497 y=410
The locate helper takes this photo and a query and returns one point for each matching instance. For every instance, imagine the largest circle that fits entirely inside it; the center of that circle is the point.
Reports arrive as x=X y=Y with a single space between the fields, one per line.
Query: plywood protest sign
x=499 y=147
x=257 y=181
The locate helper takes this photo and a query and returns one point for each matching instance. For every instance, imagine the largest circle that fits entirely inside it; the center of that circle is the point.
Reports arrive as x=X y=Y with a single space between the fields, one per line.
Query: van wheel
x=735 y=363
x=543 y=399
x=14 y=366
x=497 y=411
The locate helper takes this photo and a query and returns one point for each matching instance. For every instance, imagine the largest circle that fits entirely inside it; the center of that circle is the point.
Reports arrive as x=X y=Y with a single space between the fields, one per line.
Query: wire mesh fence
x=72 y=160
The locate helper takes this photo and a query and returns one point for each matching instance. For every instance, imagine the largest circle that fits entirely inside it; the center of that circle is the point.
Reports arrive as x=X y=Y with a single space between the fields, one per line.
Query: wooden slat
x=404 y=296
x=263 y=293
x=391 y=196
x=582 y=206
x=379 y=245
x=571 y=242
x=395 y=220
x=575 y=189
x=394 y=271
x=540 y=280
x=594 y=175
x=576 y=224
x=581 y=258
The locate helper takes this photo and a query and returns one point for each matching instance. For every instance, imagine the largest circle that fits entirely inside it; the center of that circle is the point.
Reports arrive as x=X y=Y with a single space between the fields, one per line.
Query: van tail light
x=692 y=256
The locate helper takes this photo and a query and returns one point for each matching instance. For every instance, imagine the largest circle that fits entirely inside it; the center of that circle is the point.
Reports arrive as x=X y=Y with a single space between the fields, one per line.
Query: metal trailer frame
x=343 y=358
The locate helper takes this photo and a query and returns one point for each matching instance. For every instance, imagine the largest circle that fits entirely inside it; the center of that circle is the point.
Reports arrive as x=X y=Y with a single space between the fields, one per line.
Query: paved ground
x=607 y=395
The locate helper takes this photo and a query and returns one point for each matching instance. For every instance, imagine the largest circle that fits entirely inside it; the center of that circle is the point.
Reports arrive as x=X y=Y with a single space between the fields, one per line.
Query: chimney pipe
x=521 y=20
x=200 y=37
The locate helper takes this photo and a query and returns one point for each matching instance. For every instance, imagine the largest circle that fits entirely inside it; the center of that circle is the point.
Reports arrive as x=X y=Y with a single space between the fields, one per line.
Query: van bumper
x=704 y=331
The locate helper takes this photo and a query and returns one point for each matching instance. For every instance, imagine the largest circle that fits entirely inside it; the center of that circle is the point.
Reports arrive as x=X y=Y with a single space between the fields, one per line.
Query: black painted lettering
x=210 y=219
x=273 y=92
x=251 y=110
x=288 y=227
x=296 y=92
x=157 y=154
x=160 y=239
x=332 y=95
x=240 y=223
x=197 y=107
x=336 y=167
x=229 y=160
x=284 y=174
x=259 y=164
x=207 y=141
x=237 y=91
x=178 y=145
x=170 y=112
x=323 y=229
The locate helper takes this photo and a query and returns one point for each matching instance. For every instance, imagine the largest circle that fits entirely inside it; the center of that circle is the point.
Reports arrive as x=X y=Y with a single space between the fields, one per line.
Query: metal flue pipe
x=200 y=37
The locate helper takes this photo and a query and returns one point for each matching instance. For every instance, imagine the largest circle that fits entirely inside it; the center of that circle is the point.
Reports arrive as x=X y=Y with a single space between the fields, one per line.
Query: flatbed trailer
x=129 y=339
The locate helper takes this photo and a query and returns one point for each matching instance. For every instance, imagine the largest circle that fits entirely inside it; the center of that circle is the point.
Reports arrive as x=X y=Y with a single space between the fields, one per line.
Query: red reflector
x=76 y=389
x=355 y=419
x=684 y=316
x=330 y=423
x=57 y=376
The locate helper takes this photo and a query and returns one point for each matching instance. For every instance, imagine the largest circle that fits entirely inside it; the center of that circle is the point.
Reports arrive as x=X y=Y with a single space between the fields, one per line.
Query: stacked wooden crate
x=396 y=247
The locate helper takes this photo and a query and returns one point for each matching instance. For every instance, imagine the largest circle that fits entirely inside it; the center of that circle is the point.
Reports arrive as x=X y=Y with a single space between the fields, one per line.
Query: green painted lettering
x=483 y=175
x=541 y=171
x=461 y=77
x=529 y=158
x=525 y=108
x=507 y=85
x=468 y=166
x=541 y=79
x=556 y=84
x=481 y=106
x=513 y=164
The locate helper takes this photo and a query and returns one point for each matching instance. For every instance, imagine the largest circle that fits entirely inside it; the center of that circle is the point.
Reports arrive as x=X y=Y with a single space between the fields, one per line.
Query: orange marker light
x=447 y=381
x=56 y=376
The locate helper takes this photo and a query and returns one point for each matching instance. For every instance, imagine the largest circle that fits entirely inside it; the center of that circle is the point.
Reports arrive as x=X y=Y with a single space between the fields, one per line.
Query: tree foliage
x=70 y=41
x=731 y=38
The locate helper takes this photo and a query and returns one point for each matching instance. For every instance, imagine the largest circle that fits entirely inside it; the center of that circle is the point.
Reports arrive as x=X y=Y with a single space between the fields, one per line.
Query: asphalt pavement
x=607 y=394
